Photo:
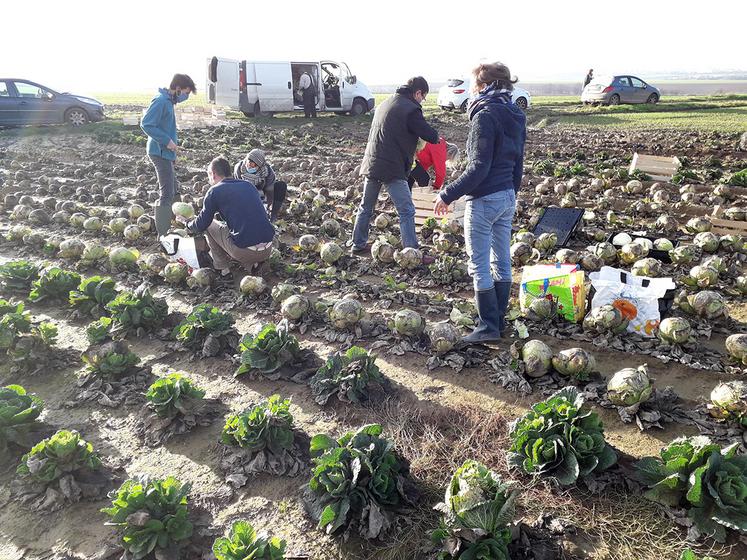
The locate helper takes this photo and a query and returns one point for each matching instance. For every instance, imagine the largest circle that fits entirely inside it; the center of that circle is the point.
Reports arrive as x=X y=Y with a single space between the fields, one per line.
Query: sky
x=88 y=47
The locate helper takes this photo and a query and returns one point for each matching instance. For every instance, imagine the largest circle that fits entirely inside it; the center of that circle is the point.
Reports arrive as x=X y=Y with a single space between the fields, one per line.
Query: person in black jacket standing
x=392 y=141
x=495 y=153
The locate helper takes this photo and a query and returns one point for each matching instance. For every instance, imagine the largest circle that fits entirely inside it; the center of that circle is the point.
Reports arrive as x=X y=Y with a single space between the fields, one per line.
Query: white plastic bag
x=637 y=297
x=190 y=250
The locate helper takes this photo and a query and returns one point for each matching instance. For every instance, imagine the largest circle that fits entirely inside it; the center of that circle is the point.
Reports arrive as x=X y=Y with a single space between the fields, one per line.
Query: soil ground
x=438 y=418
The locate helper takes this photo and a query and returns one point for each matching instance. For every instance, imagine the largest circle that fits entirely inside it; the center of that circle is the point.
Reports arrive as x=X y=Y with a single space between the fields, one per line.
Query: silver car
x=619 y=89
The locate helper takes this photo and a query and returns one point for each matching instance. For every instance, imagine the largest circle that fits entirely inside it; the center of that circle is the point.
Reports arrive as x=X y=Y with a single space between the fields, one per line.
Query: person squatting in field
x=431 y=156
x=392 y=141
x=255 y=169
x=246 y=233
x=159 y=124
x=495 y=162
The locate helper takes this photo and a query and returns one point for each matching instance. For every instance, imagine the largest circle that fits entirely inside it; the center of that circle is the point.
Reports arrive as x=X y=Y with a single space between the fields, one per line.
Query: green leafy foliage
x=559 y=439
x=447 y=270
x=65 y=452
x=685 y=176
x=18 y=413
x=152 y=515
x=172 y=395
x=357 y=479
x=738 y=179
x=543 y=167
x=138 y=311
x=92 y=295
x=347 y=375
x=18 y=276
x=100 y=330
x=267 y=425
x=477 y=508
x=204 y=320
x=269 y=350
x=32 y=351
x=244 y=543
x=710 y=481
x=688 y=554
x=110 y=360
x=13 y=321
x=54 y=284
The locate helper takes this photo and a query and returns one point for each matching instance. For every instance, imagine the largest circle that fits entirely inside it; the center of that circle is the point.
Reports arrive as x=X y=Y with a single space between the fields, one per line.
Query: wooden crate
x=726 y=227
x=424 y=198
x=659 y=168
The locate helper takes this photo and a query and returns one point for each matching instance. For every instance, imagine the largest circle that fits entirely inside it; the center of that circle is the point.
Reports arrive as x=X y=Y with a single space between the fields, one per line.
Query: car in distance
x=613 y=90
x=23 y=102
x=455 y=95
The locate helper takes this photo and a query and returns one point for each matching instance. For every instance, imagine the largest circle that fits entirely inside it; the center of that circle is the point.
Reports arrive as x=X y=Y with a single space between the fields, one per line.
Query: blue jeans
x=166 y=179
x=400 y=194
x=487 y=235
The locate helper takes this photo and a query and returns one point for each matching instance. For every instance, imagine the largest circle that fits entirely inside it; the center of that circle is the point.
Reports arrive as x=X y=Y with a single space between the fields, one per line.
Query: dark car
x=613 y=90
x=23 y=102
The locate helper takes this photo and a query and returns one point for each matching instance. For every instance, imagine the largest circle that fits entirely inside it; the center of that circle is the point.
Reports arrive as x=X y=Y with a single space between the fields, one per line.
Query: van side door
x=227 y=83
x=275 y=86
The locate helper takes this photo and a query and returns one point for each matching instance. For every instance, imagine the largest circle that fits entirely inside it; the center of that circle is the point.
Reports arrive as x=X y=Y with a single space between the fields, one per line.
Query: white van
x=264 y=88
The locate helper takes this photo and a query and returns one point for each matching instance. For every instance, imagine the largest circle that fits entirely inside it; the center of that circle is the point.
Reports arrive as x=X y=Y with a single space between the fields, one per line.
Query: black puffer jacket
x=396 y=127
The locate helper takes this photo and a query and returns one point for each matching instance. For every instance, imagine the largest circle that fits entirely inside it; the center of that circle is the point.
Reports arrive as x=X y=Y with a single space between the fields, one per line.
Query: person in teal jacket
x=159 y=123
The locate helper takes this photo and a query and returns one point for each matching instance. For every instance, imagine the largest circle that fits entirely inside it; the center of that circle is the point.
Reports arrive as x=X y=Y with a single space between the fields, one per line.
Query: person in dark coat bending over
x=246 y=234
x=392 y=141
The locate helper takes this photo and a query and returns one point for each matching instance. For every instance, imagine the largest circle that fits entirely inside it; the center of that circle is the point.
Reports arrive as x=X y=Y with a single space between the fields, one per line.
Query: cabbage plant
x=477 y=508
x=245 y=543
x=710 y=482
x=207 y=328
x=110 y=360
x=269 y=350
x=92 y=296
x=630 y=386
x=173 y=395
x=347 y=375
x=267 y=425
x=576 y=363
x=736 y=346
x=447 y=270
x=18 y=413
x=560 y=439
x=18 y=276
x=32 y=351
x=54 y=284
x=136 y=312
x=729 y=402
x=357 y=482
x=52 y=458
x=151 y=515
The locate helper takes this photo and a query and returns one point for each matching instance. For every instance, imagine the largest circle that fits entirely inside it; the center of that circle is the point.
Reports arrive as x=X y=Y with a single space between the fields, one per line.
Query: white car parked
x=455 y=95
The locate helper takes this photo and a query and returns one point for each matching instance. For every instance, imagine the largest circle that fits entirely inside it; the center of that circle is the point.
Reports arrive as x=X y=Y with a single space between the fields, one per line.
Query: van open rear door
x=223 y=82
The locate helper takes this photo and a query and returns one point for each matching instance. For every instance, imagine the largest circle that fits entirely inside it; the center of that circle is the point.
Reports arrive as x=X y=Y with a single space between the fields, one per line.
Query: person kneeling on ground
x=246 y=236
x=255 y=169
x=435 y=156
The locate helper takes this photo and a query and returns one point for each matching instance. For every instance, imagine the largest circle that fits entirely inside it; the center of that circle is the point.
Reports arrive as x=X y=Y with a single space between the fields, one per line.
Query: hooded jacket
x=495 y=153
x=396 y=127
x=159 y=123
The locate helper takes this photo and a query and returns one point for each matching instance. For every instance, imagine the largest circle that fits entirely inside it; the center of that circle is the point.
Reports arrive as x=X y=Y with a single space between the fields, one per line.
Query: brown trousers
x=223 y=249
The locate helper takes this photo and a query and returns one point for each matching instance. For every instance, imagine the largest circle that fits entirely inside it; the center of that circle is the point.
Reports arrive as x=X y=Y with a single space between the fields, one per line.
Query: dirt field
x=437 y=417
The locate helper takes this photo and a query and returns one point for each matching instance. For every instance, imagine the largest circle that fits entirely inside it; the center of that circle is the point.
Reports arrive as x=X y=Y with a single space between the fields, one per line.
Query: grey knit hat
x=257 y=156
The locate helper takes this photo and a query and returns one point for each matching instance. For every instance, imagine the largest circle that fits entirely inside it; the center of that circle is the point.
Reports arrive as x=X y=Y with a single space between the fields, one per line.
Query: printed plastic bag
x=563 y=283
x=636 y=297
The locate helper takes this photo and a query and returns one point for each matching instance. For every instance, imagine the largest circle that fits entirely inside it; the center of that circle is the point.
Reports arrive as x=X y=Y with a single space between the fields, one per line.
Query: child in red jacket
x=435 y=156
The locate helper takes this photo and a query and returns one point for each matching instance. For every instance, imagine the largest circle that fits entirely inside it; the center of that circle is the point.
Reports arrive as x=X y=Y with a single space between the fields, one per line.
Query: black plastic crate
x=560 y=221
x=663 y=256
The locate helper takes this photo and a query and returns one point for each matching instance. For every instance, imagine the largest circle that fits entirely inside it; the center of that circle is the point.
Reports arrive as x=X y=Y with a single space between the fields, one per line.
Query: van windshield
x=454 y=82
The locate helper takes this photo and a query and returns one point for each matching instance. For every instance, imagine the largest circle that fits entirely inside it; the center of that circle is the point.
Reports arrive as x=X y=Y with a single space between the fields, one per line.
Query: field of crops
x=149 y=410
